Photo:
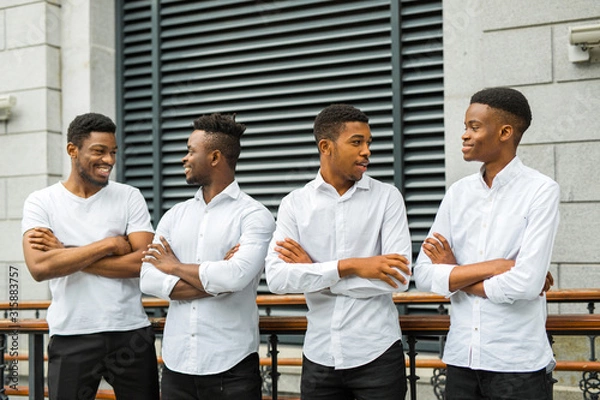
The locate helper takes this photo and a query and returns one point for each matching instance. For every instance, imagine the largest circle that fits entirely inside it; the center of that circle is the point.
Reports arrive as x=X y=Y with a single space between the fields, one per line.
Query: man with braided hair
x=489 y=250
x=211 y=334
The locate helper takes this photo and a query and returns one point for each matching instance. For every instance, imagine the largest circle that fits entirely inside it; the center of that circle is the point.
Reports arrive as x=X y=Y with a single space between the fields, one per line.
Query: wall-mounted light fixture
x=6 y=103
x=582 y=41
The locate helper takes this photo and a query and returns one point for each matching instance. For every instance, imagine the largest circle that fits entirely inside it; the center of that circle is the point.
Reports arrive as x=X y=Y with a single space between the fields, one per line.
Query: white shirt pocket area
x=507 y=232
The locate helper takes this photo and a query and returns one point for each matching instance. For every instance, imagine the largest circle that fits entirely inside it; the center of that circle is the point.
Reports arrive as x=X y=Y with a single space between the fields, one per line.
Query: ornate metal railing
x=413 y=326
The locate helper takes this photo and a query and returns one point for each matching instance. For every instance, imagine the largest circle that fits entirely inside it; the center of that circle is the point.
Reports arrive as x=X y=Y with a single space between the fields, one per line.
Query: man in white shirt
x=489 y=250
x=86 y=237
x=343 y=241
x=211 y=337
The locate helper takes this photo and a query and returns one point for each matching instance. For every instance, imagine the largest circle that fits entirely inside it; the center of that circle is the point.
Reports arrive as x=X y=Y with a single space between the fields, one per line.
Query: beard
x=88 y=178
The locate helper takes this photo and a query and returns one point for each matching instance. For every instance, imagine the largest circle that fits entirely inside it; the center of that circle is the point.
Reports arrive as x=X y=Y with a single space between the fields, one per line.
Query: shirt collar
x=232 y=191
x=363 y=183
x=507 y=174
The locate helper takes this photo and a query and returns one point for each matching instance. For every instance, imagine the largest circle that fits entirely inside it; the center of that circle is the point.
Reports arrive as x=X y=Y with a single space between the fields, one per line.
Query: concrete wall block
x=11 y=250
x=31 y=112
x=575 y=184
x=100 y=12
x=13 y=3
x=28 y=288
x=24 y=154
x=579 y=225
x=26 y=25
x=503 y=14
x=564 y=69
x=54 y=110
x=573 y=276
x=540 y=157
x=3 y=198
x=563 y=112
x=2 y=30
x=103 y=81
x=19 y=188
x=517 y=57
x=56 y=153
x=28 y=68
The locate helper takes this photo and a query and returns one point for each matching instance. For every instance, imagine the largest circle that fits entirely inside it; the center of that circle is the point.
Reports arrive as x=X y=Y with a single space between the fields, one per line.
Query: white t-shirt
x=84 y=303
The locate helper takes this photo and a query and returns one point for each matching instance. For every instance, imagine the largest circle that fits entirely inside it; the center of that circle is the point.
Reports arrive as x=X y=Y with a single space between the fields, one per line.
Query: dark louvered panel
x=422 y=113
x=136 y=96
x=276 y=65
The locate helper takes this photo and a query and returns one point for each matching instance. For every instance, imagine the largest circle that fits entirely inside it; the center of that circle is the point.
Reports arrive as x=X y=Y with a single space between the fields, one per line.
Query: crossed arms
x=111 y=257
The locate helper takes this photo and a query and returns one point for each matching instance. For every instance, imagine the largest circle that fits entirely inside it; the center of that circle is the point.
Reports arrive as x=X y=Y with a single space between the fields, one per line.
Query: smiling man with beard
x=86 y=236
x=343 y=241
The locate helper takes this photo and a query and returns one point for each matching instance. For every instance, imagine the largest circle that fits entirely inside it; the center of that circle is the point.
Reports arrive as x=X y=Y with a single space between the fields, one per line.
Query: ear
x=215 y=157
x=325 y=146
x=506 y=133
x=71 y=150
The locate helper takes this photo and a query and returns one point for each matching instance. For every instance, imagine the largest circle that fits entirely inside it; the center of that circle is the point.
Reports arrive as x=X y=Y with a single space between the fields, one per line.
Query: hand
x=384 y=268
x=43 y=239
x=438 y=250
x=548 y=283
x=121 y=245
x=291 y=252
x=231 y=252
x=161 y=256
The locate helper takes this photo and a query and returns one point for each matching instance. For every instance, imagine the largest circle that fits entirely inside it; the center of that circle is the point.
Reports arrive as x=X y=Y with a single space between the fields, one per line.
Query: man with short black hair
x=343 y=241
x=211 y=337
x=489 y=250
x=86 y=236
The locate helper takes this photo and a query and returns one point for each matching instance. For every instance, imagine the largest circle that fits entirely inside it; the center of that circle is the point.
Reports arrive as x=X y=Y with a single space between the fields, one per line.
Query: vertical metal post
x=274 y=373
x=412 y=356
x=36 y=366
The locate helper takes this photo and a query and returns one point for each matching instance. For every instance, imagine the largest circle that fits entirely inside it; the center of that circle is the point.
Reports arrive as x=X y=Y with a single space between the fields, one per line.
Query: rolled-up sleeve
x=526 y=279
x=395 y=239
x=153 y=281
x=285 y=277
x=233 y=275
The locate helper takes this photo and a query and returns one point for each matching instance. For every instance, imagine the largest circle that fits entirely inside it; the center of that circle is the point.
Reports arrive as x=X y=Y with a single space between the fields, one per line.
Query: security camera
x=585 y=36
x=6 y=102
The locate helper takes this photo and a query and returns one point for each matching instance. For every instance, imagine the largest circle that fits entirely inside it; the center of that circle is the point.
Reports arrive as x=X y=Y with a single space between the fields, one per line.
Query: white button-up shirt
x=351 y=321
x=211 y=335
x=515 y=219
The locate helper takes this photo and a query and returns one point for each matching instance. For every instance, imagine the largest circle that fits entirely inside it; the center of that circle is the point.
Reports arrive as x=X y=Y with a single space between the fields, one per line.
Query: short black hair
x=331 y=120
x=510 y=101
x=223 y=133
x=83 y=125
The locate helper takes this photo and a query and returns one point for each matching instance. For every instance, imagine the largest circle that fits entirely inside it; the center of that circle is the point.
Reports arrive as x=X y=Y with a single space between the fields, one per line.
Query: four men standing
x=342 y=240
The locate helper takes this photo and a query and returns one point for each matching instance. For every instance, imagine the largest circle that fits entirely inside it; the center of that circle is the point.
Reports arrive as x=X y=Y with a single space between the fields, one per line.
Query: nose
x=109 y=158
x=184 y=159
x=366 y=150
x=465 y=135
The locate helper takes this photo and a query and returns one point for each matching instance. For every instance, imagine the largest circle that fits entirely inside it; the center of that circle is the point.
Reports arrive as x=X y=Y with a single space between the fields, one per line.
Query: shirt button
x=476 y=329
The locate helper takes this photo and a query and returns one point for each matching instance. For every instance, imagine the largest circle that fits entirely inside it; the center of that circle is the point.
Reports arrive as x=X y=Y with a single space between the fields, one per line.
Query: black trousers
x=382 y=379
x=126 y=360
x=241 y=382
x=470 y=384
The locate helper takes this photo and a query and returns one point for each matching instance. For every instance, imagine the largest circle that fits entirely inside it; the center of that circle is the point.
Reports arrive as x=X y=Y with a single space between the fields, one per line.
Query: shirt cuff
x=168 y=284
x=441 y=279
x=203 y=275
x=493 y=291
x=331 y=272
